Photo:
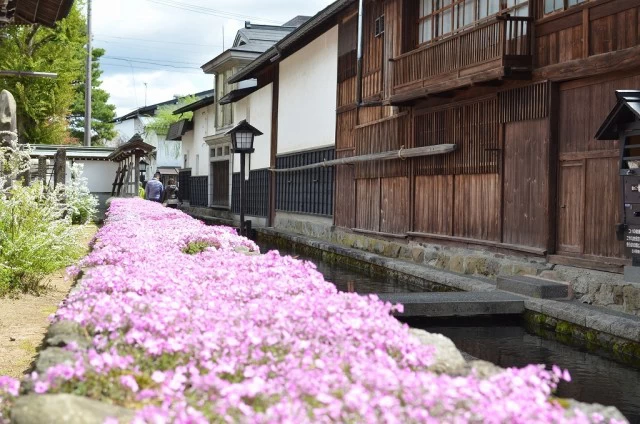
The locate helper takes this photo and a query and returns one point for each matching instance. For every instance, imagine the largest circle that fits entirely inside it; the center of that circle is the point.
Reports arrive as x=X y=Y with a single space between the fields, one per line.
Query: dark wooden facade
x=521 y=97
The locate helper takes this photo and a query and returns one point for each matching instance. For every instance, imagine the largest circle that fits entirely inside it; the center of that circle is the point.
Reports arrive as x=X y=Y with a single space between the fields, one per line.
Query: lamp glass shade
x=243 y=141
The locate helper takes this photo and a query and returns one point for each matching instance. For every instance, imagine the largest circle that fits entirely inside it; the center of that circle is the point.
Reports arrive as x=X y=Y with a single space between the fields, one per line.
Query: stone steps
x=539 y=288
x=456 y=304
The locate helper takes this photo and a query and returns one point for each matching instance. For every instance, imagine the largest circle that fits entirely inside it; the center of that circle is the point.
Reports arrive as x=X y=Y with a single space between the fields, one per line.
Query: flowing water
x=596 y=379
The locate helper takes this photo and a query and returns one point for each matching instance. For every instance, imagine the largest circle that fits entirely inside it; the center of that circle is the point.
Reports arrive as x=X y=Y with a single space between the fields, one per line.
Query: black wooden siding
x=199 y=191
x=309 y=191
x=184 y=184
x=256 y=190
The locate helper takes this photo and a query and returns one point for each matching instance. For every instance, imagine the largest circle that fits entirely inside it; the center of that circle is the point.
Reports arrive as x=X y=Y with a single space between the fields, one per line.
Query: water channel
x=508 y=343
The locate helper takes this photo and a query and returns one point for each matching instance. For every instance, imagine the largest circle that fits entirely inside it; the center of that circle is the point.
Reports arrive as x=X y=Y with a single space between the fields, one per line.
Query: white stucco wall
x=187 y=149
x=203 y=126
x=259 y=116
x=124 y=130
x=99 y=175
x=307 y=103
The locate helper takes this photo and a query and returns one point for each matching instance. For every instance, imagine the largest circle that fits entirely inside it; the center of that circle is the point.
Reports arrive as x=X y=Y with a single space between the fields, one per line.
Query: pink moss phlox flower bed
x=215 y=335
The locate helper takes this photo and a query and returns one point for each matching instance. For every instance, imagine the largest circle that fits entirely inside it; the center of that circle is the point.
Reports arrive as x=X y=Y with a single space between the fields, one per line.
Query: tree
x=45 y=105
x=164 y=116
x=102 y=112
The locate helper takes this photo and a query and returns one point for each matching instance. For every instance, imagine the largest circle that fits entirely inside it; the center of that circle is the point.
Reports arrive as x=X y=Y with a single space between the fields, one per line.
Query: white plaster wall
x=240 y=110
x=202 y=127
x=260 y=117
x=100 y=175
x=187 y=149
x=169 y=152
x=307 y=103
x=125 y=130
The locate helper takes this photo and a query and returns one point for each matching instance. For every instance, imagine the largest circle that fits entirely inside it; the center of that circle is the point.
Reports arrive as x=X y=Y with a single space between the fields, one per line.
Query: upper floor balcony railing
x=487 y=52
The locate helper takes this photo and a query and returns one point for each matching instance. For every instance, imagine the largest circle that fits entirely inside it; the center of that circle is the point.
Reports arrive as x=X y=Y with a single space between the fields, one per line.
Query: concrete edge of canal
x=616 y=332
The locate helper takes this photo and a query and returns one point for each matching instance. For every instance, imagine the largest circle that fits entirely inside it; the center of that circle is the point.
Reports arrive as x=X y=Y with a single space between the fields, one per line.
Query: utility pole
x=89 y=81
x=145 y=94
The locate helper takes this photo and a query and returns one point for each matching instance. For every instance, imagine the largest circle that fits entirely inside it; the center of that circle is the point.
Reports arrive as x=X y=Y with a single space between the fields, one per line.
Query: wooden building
x=521 y=88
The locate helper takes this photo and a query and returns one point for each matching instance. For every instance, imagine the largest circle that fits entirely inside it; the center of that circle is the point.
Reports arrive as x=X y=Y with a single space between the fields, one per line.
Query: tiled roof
x=151 y=110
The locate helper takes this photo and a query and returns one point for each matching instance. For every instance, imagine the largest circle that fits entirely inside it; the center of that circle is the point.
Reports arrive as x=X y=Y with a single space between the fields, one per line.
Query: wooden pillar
x=42 y=168
x=275 y=101
x=60 y=167
x=136 y=178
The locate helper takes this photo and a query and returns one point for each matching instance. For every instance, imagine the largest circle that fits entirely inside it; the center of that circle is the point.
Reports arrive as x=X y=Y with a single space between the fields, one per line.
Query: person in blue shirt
x=154 y=189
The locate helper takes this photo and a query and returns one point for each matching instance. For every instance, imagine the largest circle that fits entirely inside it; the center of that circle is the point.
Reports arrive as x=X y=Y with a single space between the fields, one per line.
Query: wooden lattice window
x=551 y=6
x=439 y=18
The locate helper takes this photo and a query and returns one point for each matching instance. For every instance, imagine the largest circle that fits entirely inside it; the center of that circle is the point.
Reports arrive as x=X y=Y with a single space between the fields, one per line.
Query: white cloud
x=136 y=31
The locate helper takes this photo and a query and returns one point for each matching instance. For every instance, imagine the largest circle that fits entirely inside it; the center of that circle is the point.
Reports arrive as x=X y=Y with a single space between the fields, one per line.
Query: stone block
x=631 y=297
x=475 y=265
x=442 y=261
x=506 y=269
x=62 y=333
x=627 y=329
x=53 y=356
x=524 y=270
x=565 y=312
x=456 y=264
x=417 y=254
x=447 y=358
x=392 y=250
x=533 y=287
x=69 y=409
x=405 y=253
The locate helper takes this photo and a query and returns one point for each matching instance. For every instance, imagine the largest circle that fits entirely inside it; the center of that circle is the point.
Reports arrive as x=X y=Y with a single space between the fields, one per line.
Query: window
x=551 y=6
x=439 y=18
x=224 y=112
x=379 y=25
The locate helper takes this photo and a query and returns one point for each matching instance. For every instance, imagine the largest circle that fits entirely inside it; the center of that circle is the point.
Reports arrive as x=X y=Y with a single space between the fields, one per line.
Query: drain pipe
x=359 y=54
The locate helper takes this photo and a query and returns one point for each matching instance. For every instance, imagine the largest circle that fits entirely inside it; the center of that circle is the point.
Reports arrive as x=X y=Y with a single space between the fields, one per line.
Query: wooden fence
x=309 y=191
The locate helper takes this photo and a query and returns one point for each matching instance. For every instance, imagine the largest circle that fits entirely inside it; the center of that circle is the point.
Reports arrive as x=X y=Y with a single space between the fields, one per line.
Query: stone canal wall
x=588 y=286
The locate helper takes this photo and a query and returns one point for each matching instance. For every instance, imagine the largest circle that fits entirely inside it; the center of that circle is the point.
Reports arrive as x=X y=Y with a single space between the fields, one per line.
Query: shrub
x=80 y=203
x=35 y=238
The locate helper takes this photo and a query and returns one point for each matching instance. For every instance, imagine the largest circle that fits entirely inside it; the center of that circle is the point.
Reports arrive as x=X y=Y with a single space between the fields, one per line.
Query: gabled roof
x=151 y=110
x=44 y=12
x=627 y=110
x=130 y=148
x=250 y=42
x=292 y=42
x=204 y=102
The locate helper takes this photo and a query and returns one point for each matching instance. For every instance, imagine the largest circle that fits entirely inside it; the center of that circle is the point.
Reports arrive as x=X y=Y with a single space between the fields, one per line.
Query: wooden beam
x=594 y=65
x=514 y=247
x=439 y=149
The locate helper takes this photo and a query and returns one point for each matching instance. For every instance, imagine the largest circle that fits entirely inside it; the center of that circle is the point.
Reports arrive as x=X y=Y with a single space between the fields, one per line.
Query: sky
x=154 y=48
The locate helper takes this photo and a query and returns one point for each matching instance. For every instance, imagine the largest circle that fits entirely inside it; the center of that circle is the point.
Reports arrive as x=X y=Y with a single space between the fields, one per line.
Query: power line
x=150 y=63
x=131 y=47
x=113 y=65
x=158 y=41
x=135 y=59
x=209 y=11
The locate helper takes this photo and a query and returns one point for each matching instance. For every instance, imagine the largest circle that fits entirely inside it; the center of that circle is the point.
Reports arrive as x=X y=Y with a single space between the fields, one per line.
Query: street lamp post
x=242 y=136
x=143 y=171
